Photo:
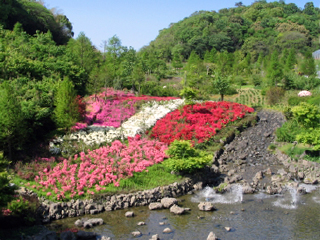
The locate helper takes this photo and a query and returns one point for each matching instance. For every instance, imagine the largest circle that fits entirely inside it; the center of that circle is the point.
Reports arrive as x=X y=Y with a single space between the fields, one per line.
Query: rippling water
x=258 y=216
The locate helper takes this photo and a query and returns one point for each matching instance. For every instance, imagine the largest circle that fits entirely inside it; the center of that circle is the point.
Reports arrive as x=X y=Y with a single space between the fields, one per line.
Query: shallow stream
x=256 y=216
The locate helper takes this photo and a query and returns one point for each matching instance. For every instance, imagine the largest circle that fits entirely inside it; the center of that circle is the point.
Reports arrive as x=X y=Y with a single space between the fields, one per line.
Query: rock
x=175 y=209
x=155 y=206
x=235 y=178
x=68 y=235
x=155 y=237
x=187 y=209
x=300 y=175
x=141 y=223
x=268 y=171
x=105 y=238
x=129 y=214
x=282 y=172
x=231 y=172
x=301 y=191
x=232 y=213
x=82 y=235
x=162 y=223
x=136 y=233
x=168 y=202
x=90 y=222
x=206 y=206
x=246 y=189
x=167 y=230
x=292 y=169
x=212 y=236
x=46 y=235
x=228 y=229
x=79 y=223
x=198 y=186
x=259 y=175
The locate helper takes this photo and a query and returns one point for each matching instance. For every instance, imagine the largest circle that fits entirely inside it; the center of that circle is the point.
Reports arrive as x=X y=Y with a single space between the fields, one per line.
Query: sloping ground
x=247 y=158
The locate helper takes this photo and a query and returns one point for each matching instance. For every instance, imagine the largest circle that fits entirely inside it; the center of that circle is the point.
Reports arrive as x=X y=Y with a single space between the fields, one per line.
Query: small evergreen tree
x=275 y=73
x=12 y=124
x=291 y=60
x=308 y=66
x=66 y=113
x=176 y=61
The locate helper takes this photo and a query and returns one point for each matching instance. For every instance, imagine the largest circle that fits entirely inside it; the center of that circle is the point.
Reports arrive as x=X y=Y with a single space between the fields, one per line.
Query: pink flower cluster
x=100 y=167
x=112 y=107
x=304 y=93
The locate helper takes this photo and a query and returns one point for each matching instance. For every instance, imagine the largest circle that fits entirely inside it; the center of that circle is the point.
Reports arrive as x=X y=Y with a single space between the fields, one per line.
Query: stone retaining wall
x=51 y=211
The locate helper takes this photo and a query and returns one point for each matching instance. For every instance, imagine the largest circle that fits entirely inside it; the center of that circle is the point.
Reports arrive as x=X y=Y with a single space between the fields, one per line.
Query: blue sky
x=135 y=22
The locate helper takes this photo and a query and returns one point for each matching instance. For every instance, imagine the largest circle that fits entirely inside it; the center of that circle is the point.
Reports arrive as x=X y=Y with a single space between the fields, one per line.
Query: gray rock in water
x=82 y=235
x=88 y=223
x=167 y=230
x=300 y=175
x=175 y=209
x=228 y=229
x=141 y=223
x=168 y=202
x=206 y=206
x=155 y=206
x=212 y=236
x=162 y=223
x=136 y=233
x=301 y=191
x=155 y=237
x=105 y=238
x=129 y=214
x=68 y=235
x=198 y=186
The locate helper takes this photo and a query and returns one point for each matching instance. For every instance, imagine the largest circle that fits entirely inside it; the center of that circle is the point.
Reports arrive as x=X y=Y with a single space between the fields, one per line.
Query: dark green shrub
x=314 y=100
x=288 y=131
x=274 y=95
x=294 y=101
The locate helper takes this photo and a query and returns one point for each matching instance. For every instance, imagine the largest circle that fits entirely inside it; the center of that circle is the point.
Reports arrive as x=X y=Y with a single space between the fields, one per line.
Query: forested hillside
x=259 y=28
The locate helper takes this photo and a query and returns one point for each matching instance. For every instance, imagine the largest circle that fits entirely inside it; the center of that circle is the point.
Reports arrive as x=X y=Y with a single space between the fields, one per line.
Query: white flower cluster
x=150 y=113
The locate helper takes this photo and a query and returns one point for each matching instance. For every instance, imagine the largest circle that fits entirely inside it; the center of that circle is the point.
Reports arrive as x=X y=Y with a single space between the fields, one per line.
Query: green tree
x=308 y=65
x=66 y=113
x=291 y=60
x=176 y=61
x=275 y=73
x=12 y=125
x=222 y=84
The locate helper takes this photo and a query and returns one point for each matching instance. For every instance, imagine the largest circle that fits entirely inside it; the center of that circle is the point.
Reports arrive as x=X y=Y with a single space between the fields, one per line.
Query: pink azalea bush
x=81 y=174
x=112 y=107
x=304 y=93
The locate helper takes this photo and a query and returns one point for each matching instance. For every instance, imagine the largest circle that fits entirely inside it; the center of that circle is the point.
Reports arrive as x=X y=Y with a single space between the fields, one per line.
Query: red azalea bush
x=197 y=122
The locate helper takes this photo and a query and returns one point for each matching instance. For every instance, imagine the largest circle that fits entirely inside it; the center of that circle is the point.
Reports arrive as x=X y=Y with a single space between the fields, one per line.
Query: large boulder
x=168 y=202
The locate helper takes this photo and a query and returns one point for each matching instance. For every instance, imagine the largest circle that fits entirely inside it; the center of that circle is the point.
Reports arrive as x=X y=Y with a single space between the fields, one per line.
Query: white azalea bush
x=92 y=136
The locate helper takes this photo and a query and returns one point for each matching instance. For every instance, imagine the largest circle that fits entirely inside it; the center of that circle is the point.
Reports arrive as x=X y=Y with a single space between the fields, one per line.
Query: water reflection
x=258 y=216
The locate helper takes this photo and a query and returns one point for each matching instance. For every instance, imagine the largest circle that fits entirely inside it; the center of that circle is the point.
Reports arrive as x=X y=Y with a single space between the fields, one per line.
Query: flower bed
x=83 y=174
x=197 y=122
x=112 y=107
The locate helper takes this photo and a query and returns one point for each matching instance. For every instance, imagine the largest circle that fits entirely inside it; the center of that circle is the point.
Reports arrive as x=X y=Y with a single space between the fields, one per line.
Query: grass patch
x=296 y=151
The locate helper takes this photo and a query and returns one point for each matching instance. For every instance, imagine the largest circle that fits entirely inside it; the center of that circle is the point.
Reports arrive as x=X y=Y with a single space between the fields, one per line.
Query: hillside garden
x=76 y=122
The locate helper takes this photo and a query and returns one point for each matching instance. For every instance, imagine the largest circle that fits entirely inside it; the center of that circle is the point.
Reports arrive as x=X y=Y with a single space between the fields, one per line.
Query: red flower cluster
x=197 y=122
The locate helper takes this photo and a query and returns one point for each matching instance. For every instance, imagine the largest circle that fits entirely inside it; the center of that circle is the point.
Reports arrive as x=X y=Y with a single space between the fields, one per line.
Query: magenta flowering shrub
x=81 y=174
x=112 y=107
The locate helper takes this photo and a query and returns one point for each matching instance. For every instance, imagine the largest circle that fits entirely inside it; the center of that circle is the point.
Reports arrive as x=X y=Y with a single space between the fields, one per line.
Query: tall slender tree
x=66 y=113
